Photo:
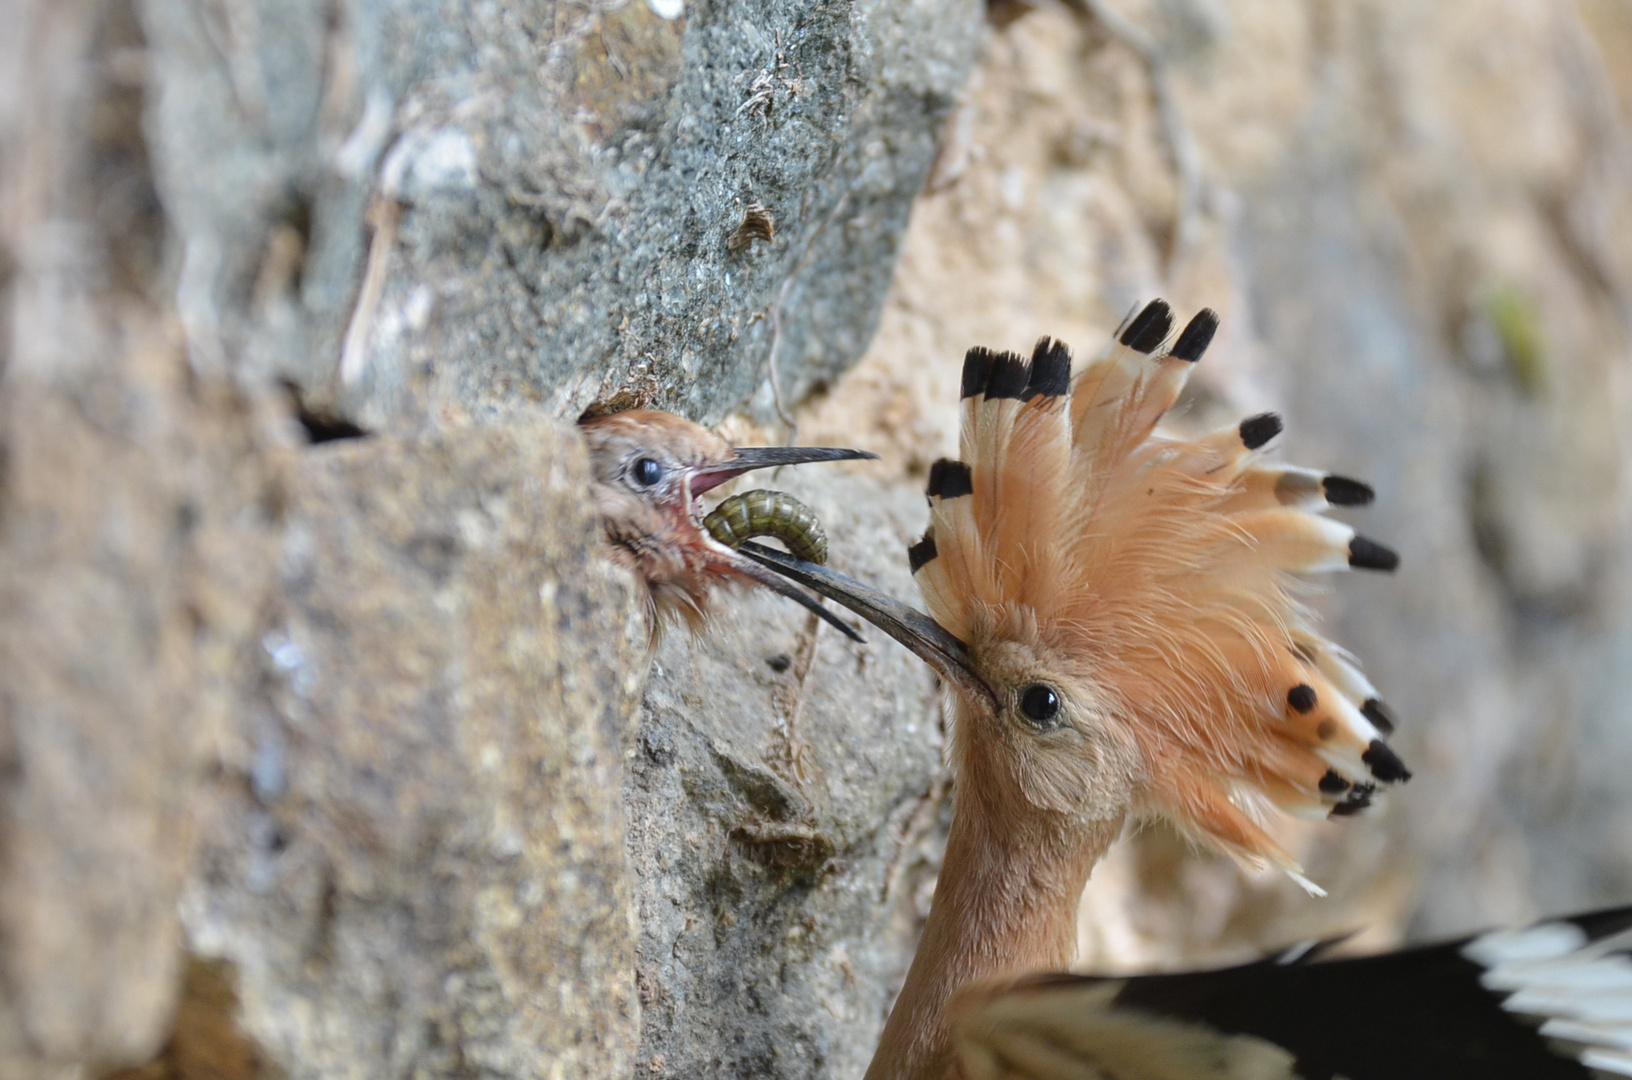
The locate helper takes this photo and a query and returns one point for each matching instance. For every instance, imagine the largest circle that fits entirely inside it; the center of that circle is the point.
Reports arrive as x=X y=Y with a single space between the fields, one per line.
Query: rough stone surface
x=134 y=545
x=781 y=779
x=312 y=756
x=551 y=191
x=412 y=849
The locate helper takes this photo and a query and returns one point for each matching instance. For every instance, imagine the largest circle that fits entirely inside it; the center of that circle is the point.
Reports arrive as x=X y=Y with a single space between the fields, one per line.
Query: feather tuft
x=1050 y=370
x=1161 y=569
x=922 y=552
x=977 y=369
x=949 y=479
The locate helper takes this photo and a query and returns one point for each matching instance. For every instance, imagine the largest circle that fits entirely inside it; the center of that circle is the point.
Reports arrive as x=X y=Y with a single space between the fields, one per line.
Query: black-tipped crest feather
x=1196 y=336
x=1342 y=491
x=1010 y=372
x=949 y=479
x=1149 y=328
x=921 y=552
x=977 y=369
x=1258 y=430
x=1367 y=554
x=1050 y=370
x=1384 y=764
x=1379 y=715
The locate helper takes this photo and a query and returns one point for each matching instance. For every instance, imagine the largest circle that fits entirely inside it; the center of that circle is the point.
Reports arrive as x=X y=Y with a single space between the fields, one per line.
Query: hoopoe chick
x=650 y=468
x=1116 y=614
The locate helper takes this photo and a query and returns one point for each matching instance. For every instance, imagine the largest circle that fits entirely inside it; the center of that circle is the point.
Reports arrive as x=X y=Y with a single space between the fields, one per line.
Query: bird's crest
x=1164 y=566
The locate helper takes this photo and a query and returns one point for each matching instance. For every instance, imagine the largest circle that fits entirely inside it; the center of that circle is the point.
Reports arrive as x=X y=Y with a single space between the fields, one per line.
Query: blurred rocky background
x=330 y=745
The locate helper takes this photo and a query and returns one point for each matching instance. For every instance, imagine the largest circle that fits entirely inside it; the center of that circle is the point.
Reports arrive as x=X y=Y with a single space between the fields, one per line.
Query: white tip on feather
x=1609 y=1061
x=1547 y=941
x=1308 y=886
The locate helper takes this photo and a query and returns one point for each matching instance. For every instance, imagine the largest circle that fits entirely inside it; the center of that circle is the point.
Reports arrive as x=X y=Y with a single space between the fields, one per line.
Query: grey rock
x=551 y=193
x=775 y=794
x=411 y=857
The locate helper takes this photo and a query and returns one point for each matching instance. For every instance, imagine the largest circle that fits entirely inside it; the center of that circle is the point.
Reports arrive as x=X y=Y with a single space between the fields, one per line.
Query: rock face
x=330 y=746
x=553 y=193
x=313 y=747
x=782 y=780
x=424 y=868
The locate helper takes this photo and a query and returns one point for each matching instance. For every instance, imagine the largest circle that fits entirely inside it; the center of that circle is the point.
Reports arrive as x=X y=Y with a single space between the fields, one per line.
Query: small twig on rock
x=802 y=668
x=759 y=95
x=383 y=216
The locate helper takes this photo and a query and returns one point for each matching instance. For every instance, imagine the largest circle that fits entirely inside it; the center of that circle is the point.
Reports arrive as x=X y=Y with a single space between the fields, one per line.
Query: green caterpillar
x=769 y=513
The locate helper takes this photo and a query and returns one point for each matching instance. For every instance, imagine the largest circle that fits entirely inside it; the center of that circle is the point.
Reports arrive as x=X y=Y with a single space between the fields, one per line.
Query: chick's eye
x=1040 y=704
x=646 y=472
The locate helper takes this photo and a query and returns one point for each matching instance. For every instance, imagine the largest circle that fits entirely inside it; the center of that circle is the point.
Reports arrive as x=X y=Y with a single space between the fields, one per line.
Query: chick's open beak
x=748 y=458
x=922 y=635
x=745 y=459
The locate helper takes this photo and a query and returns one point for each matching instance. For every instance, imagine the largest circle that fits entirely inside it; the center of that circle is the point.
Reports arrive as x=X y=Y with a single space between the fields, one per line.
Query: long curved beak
x=922 y=635
x=774 y=581
x=749 y=458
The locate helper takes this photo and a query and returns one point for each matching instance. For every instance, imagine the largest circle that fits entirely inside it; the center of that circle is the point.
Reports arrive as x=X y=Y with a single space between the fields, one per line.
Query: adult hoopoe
x=1115 y=613
x=1052 y=755
x=650 y=467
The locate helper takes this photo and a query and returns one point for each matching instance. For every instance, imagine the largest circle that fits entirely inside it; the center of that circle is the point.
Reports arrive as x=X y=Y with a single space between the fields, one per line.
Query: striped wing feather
x=1551 y=1002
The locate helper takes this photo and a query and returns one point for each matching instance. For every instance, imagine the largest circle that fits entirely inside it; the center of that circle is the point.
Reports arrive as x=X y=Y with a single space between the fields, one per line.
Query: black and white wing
x=1551 y=1002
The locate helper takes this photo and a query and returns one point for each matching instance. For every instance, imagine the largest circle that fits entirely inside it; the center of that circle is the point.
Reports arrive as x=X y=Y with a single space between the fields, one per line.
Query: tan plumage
x=1127 y=641
x=1156 y=571
x=1115 y=613
x=1133 y=646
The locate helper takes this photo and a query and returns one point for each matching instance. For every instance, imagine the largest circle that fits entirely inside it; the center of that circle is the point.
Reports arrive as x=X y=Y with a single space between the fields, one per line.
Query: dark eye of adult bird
x=647 y=472
x=1040 y=703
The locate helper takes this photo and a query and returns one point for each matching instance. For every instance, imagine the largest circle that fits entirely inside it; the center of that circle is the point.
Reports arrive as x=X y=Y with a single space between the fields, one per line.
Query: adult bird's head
x=650 y=467
x=1116 y=608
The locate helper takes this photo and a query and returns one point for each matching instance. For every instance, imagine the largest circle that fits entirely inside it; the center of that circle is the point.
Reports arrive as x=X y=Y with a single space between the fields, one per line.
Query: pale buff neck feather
x=1005 y=903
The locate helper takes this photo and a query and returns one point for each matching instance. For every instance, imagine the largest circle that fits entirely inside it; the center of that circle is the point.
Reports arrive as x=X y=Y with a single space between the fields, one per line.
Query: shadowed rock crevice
x=204 y=1041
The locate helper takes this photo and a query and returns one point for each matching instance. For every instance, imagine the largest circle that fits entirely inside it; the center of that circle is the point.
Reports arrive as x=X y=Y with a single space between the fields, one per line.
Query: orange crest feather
x=1163 y=567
